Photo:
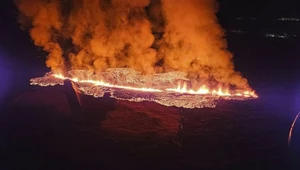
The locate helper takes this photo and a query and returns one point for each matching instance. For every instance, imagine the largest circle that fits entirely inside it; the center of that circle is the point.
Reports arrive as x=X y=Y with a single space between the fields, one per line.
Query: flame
x=183 y=89
x=205 y=90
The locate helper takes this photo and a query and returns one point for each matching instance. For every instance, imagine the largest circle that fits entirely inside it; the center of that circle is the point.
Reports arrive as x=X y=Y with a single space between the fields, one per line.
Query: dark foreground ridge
x=39 y=131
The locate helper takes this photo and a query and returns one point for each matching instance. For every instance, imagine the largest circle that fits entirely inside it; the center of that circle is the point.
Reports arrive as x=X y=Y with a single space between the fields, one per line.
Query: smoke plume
x=150 y=36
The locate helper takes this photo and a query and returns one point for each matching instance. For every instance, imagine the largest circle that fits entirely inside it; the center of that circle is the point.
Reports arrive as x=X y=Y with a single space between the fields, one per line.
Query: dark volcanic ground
x=38 y=131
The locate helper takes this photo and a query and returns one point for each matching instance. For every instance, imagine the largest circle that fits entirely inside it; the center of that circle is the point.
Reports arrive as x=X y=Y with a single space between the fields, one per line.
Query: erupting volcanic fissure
x=168 y=47
x=167 y=88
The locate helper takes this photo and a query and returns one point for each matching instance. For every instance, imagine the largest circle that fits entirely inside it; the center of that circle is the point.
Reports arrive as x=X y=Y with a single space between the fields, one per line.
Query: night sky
x=260 y=9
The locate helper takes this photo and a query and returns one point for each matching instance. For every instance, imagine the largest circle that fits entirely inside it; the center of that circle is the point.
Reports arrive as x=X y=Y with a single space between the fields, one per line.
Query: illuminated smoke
x=150 y=36
x=193 y=42
x=45 y=23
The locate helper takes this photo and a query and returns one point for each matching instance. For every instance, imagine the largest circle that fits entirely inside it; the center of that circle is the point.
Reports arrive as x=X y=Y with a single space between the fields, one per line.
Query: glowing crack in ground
x=127 y=84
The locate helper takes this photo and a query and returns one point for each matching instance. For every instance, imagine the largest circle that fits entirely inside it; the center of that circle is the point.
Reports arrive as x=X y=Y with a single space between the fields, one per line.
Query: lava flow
x=132 y=86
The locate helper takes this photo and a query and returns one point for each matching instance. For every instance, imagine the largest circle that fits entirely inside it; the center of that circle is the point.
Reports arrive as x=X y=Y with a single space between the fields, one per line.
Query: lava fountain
x=168 y=89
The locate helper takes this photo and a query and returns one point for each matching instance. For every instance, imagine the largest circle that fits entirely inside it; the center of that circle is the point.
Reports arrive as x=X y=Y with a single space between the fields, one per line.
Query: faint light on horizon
x=279 y=19
x=289 y=19
x=284 y=36
x=267 y=35
x=237 y=31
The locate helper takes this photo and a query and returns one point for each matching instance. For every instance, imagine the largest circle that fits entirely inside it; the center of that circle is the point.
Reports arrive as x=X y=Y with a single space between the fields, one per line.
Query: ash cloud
x=150 y=36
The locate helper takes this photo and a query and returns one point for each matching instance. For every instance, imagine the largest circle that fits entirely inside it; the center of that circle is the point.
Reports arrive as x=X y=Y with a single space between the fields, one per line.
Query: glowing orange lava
x=203 y=90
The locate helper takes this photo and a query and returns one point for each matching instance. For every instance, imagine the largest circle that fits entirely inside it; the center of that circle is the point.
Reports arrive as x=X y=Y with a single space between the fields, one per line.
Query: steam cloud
x=151 y=36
